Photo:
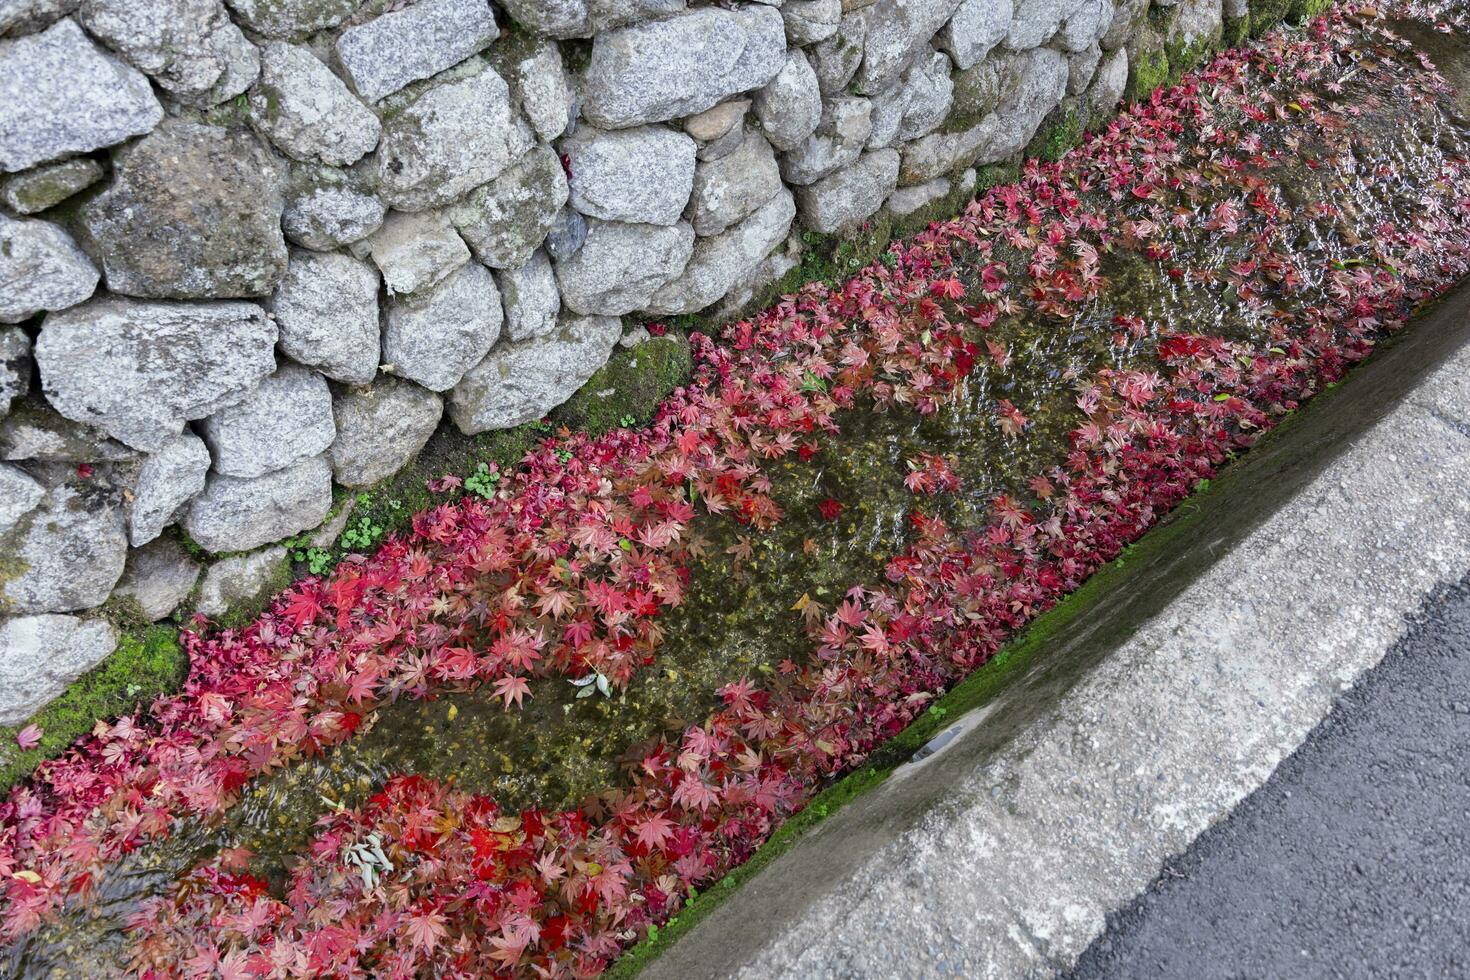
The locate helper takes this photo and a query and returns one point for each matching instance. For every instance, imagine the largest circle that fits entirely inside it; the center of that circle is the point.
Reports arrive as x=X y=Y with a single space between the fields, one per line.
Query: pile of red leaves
x=566 y=570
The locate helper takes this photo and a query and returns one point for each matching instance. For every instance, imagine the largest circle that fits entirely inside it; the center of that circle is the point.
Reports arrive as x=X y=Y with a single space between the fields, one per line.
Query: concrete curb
x=1000 y=854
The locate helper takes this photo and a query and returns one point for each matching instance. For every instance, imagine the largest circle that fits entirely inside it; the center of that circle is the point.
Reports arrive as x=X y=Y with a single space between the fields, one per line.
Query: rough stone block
x=139 y=370
x=380 y=428
x=237 y=514
x=520 y=383
x=420 y=40
x=680 y=65
x=41 y=655
x=193 y=212
x=60 y=94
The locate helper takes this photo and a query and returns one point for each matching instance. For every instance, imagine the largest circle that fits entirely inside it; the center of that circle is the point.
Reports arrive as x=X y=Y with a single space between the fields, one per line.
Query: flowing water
x=741 y=615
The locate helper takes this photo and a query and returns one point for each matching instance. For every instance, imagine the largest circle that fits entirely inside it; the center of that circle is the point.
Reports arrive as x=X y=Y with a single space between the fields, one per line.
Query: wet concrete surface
x=1352 y=861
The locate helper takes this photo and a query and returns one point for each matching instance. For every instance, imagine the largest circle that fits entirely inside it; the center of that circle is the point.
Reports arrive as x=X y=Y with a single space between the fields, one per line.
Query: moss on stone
x=41 y=194
x=34 y=191
x=266 y=104
x=628 y=388
x=1148 y=73
x=1186 y=57
x=976 y=94
x=1062 y=130
x=1306 y=9
x=243 y=611
x=1237 y=31
x=826 y=258
x=576 y=55
x=1266 y=14
x=514 y=45
x=148 y=662
x=230 y=114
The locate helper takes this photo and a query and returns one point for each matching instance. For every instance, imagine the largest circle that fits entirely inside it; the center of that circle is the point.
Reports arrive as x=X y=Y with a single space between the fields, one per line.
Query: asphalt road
x=1353 y=860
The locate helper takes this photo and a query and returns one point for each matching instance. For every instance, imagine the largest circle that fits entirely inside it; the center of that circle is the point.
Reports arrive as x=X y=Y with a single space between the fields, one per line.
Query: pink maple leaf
x=29 y=737
x=512 y=689
x=426 y=929
x=652 y=833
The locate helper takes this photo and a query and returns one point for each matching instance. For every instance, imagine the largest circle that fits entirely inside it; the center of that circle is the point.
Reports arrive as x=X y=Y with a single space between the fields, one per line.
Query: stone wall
x=251 y=248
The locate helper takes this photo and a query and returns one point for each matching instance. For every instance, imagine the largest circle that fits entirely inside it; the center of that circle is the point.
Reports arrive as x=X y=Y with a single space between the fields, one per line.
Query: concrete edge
x=1000 y=854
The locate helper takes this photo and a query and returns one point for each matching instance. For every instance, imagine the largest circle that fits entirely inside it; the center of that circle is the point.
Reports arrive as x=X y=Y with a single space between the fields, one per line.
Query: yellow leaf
x=453 y=711
x=30 y=876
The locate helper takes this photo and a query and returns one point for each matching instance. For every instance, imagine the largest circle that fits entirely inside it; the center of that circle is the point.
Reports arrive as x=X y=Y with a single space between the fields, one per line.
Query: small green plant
x=483 y=482
x=627 y=421
x=361 y=534
x=564 y=456
x=317 y=560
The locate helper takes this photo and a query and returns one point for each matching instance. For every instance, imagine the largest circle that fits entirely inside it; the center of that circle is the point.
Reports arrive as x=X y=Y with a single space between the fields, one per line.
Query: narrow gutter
x=906 y=778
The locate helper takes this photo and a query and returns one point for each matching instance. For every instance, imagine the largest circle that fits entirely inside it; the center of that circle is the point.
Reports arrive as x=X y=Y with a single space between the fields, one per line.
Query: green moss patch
x=1305 y=9
x=1147 y=71
x=1237 y=31
x=1062 y=130
x=1266 y=14
x=626 y=391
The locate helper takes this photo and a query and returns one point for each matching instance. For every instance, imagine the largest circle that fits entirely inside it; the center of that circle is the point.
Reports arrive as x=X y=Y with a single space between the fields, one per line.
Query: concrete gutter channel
x=1148 y=718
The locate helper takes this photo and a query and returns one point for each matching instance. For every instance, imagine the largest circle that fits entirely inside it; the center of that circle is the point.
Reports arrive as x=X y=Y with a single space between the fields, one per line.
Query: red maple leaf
x=830 y=509
x=947 y=288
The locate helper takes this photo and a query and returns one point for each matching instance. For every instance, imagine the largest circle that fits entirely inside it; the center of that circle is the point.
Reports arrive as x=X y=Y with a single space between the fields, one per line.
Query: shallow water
x=740 y=617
